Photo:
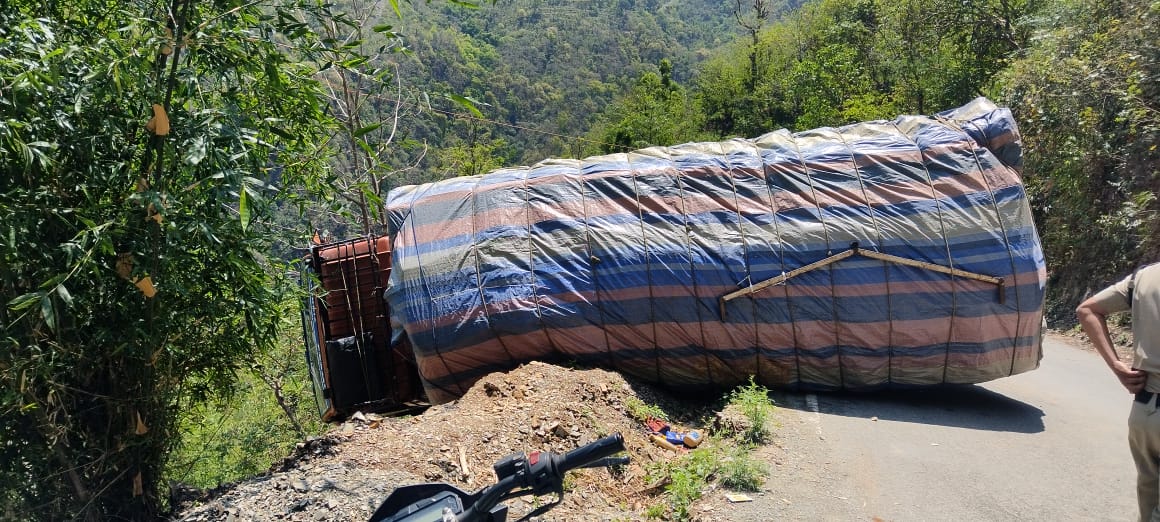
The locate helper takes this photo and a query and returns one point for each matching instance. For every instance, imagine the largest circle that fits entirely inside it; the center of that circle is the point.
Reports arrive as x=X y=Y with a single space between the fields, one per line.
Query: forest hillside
x=165 y=162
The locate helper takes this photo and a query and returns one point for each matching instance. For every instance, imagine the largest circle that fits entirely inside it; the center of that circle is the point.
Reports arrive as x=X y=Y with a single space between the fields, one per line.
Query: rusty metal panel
x=357 y=368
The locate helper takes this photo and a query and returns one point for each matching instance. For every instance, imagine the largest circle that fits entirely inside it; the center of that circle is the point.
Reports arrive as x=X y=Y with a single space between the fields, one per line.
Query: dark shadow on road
x=961 y=406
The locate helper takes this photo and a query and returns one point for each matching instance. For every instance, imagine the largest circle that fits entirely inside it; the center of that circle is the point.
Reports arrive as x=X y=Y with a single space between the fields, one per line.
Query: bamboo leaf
x=372 y=198
x=24 y=301
x=466 y=103
x=244 y=209
x=47 y=312
x=65 y=296
x=196 y=151
x=368 y=128
x=362 y=144
x=281 y=133
x=354 y=62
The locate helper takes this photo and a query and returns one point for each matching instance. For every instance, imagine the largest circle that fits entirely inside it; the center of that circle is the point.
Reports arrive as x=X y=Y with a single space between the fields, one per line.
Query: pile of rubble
x=349 y=472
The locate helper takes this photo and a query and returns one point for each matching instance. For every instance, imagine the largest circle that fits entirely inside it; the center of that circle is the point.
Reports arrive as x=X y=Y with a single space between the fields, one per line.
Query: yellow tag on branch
x=145 y=284
x=151 y=213
x=159 y=123
x=141 y=427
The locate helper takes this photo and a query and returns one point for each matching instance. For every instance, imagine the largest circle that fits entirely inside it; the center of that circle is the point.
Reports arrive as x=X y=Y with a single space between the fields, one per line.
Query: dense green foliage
x=829 y=62
x=842 y=61
x=93 y=371
x=98 y=382
x=1087 y=98
x=270 y=411
x=541 y=72
x=657 y=110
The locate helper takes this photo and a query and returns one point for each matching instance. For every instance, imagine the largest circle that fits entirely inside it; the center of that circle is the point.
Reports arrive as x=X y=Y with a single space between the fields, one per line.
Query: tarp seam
x=647 y=265
x=773 y=207
x=431 y=320
x=692 y=266
x=532 y=263
x=479 y=269
x=748 y=261
x=934 y=196
x=593 y=263
x=1007 y=242
x=829 y=251
x=878 y=232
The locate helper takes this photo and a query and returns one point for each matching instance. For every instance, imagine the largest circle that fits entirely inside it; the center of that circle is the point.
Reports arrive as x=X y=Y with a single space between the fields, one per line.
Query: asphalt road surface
x=1050 y=444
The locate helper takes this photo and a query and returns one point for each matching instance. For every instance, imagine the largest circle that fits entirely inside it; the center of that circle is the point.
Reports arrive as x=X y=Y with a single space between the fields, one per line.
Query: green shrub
x=639 y=410
x=753 y=401
x=138 y=190
x=242 y=435
x=689 y=474
x=740 y=471
x=655 y=512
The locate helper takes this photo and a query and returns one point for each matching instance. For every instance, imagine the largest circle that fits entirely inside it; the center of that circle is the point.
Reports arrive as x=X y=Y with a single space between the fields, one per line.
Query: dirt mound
x=345 y=475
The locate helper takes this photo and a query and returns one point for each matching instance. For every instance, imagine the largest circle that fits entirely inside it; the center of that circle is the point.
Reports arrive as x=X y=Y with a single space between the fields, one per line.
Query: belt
x=1145 y=397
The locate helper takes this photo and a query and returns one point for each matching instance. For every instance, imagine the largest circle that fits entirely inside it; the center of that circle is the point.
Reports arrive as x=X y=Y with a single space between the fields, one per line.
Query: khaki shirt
x=1145 y=318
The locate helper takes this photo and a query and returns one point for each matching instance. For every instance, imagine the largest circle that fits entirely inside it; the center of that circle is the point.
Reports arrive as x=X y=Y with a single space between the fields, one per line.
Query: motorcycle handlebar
x=577 y=458
x=517 y=474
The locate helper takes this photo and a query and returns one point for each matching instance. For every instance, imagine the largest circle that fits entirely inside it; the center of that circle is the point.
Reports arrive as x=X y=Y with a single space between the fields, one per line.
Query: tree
x=657 y=111
x=367 y=98
x=752 y=25
x=478 y=153
x=834 y=62
x=145 y=147
x=1087 y=98
x=543 y=71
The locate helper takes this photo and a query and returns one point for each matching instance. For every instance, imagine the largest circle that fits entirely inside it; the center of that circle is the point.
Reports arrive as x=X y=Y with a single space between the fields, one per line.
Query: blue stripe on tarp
x=673 y=270
x=625 y=187
x=664 y=277
x=647 y=356
x=627 y=268
x=985 y=254
x=869 y=310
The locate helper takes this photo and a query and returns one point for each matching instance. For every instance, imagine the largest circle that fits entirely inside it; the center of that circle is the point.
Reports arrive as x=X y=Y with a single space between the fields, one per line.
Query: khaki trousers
x=1144 y=441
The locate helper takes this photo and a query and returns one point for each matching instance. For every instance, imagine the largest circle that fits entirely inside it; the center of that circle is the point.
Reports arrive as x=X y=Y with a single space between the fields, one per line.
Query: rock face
x=346 y=474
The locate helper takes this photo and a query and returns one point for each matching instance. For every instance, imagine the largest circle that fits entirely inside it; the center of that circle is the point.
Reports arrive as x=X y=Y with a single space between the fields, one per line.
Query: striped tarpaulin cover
x=620 y=260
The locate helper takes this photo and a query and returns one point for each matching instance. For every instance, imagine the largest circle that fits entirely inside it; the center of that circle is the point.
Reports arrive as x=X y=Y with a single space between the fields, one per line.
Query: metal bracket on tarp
x=855 y=250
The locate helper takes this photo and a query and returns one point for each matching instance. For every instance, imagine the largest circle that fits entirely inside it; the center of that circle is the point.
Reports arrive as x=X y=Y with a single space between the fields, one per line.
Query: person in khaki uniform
x=1142 y=377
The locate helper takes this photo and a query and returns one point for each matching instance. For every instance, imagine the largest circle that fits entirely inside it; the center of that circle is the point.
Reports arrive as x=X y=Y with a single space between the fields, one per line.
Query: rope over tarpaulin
x=628 y=261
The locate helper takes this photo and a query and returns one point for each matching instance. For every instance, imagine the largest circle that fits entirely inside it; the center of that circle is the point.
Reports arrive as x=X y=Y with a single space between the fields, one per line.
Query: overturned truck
x=352 y=361
x=881 y=254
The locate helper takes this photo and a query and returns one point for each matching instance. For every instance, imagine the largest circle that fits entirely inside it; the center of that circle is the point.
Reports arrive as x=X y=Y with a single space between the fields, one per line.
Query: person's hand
x=1131 y=378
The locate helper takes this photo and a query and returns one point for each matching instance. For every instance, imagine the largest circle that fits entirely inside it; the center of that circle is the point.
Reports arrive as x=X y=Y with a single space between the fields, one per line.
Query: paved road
x=1045 y=445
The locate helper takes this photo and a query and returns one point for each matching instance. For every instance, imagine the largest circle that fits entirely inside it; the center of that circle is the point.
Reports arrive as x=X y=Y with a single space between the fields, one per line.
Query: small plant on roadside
x=640 y=410
x=655 y=512
x=753 y=401
x=740 y=471
x=687 y=477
